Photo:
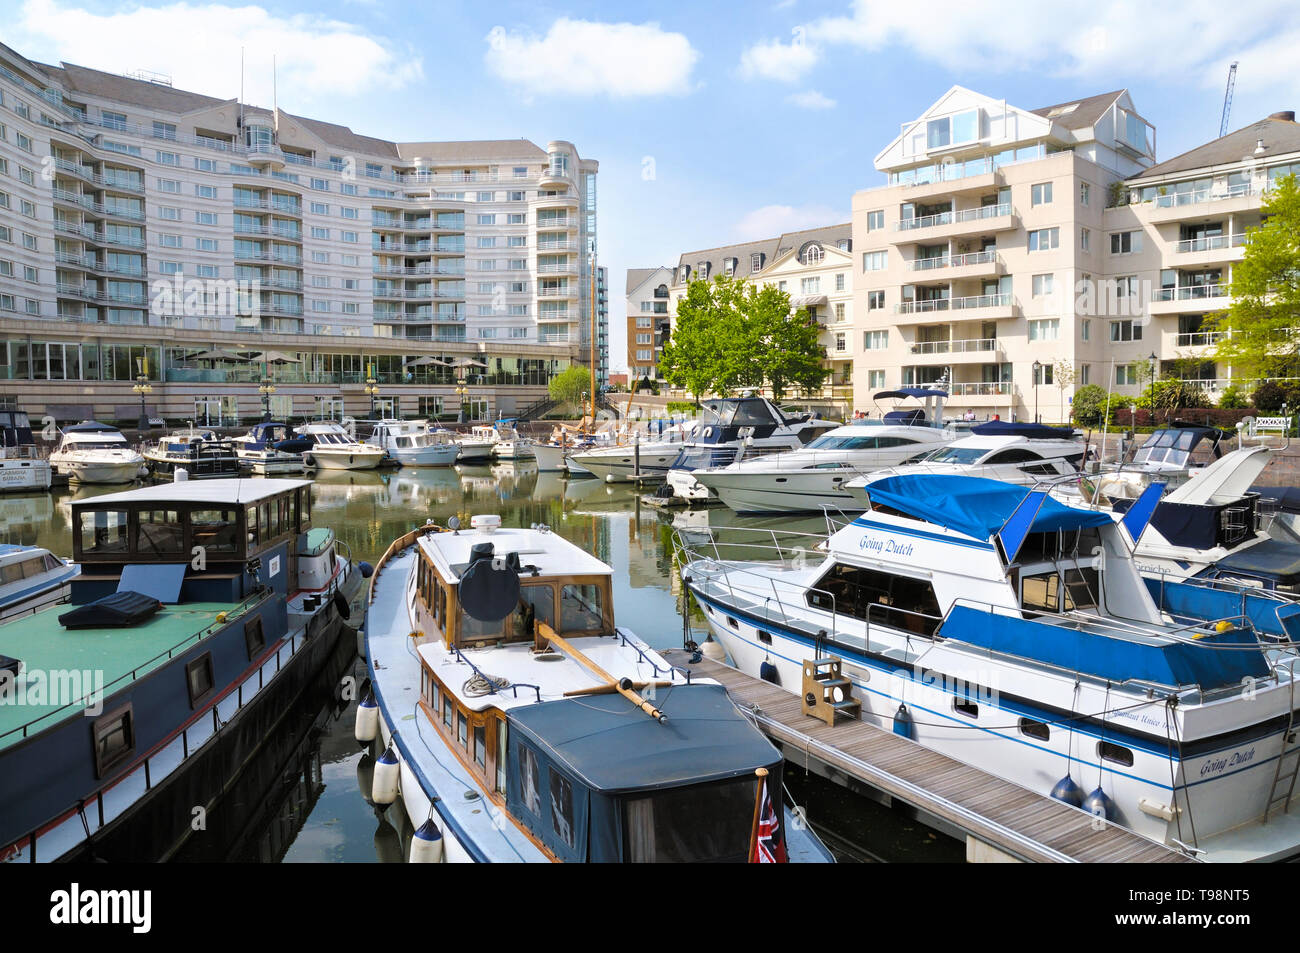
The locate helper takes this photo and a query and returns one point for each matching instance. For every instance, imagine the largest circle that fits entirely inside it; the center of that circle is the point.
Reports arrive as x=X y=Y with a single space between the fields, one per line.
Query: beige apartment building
x=971 y=256
x=143 y=226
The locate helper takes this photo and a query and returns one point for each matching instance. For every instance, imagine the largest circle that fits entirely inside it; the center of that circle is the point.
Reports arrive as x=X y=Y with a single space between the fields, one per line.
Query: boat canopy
x=920 y=393
x=1018 y=428
x=1271 y=559
x=975 y=506
x=90 y=426
x=611 y=747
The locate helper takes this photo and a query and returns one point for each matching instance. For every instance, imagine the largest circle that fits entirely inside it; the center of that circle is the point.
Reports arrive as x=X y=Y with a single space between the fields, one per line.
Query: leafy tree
x=569 y=385
x=1172 y=394
x=731 y=333
x=1265 y=293
x=1093 y=405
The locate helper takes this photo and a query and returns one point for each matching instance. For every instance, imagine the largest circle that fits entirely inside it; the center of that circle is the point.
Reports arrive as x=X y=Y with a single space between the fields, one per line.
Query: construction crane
x=1227 y=99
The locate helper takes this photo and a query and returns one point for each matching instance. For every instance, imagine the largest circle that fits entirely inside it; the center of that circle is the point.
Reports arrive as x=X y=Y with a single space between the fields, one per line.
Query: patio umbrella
x=426 y=361
x=274 y=357
x=466 y=362
x=216 y=354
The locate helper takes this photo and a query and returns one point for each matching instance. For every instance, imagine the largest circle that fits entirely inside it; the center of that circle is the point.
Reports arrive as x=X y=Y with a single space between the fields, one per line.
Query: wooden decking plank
x=961 y=793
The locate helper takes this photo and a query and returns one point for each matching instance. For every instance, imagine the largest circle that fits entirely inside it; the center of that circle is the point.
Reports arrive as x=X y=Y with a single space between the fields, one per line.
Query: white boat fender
x=1069 y=792
x=903 y=722
x=180 y=475
x=713 y=650
x=426 y=844
x=384 y=789
x=367 y=725
x=1099 y=805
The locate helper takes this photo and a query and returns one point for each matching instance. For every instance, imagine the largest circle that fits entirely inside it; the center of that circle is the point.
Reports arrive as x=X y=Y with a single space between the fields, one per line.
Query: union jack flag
x=769 y=845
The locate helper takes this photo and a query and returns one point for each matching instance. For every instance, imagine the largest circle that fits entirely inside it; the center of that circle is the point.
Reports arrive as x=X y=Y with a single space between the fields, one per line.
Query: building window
x=876 y=220
x=875 y=300
x=1085 y=330
x=875 y=340
x=875 y=260
x=1042 y=375
x=1043 y=285
x=1085 y=193
x=1040 y=194
x=813 y=255
x=1121 y=331
x=1044 y=239
x=1045 y=329
x=839 y=312
x=1126 y=375
x=810 y=286
x=1084 y=374
x=839 y=282
x=1085 y=240
x=876 y=380
x=1125 y=243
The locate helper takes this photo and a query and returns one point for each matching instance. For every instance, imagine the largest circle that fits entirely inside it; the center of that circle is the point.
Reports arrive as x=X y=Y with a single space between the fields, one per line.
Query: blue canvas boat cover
x=614 y=748
x=1272 y=559
x=920 y=393
x=975 y=506
x=1206 y=663
x=1017 y=428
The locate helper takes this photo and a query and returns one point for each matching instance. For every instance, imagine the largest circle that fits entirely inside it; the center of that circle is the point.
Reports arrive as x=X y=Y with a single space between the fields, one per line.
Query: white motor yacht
x=333 y=448
x=92 y=452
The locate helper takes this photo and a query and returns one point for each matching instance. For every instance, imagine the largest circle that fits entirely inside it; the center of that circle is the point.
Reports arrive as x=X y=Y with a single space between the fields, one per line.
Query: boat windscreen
x=700 y=823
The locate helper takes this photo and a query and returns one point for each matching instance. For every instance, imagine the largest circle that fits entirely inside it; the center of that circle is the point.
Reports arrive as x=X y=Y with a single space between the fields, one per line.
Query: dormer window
x=813 y=255
x=845 y=244
x=729 y=265
x=685 y=275
x=756 y=261
x=702 y=269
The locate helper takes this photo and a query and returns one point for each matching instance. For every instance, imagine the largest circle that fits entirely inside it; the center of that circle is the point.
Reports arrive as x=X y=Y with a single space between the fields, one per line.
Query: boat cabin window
x=530 y=781
x=536 y=604
x=462 y=729
x=480 y=746
x=1076 y=588
x=26 y=568
x=1014 y=455
x=1117 y=754
x=748 y=413
x=217 y=531
x=709 y=822
x=114 y=735
x=899 y=601
x=104 y=531
x=1064 y=544
x=198 y=676
x=952 y=455
x=562 y=808
x=446 y=710
x=159 y=532
x=502 y=735
x=581 y=608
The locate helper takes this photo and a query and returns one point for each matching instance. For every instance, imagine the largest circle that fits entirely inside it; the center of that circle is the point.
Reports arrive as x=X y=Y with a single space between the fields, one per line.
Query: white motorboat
x=732 y=427
x=31 y=578
x=413 y=443
x=1023 y=453
x=92 y=452
x=197 y=451
x=271 y=448
x=994 y=624
x=510 y=443
x=813 y=477
x=333 y=448
x=22 y=467
x=519 y=722
x=477 y=446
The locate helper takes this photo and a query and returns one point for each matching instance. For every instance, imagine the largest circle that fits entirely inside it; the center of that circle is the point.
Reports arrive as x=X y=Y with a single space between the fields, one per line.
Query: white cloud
x=771 y=220
x=317 y=59
x=772 y=59
x=810 y=99
x=1170 y=40
x=585 y=58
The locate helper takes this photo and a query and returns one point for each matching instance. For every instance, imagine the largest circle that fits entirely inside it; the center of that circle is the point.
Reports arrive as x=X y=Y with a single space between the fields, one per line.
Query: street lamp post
x=266 y=389
x=372 y=391
x=142 y=387
x=462 y=393
x=1038 y=374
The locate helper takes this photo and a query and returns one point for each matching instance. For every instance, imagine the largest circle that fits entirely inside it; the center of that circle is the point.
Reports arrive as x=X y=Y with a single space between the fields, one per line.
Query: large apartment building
x=648 y=320
x=150 y=232
x=1016 y=255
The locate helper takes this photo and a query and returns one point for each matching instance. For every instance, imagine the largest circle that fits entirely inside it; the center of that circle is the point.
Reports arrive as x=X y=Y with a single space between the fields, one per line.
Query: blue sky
x=712 y=123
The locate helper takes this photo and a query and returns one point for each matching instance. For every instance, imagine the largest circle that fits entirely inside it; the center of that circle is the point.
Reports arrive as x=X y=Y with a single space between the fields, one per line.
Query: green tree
x=731 y=333
x=695 y=356
x=1265 y=293
x=1092 y=405
x=569 y=385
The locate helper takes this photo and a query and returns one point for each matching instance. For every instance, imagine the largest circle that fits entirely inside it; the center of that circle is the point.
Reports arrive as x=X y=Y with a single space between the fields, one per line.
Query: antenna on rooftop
x=1227 y=99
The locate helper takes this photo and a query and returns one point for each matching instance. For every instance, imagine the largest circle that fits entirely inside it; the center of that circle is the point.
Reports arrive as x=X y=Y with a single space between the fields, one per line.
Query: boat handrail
x=622 y=635
x=237 y=612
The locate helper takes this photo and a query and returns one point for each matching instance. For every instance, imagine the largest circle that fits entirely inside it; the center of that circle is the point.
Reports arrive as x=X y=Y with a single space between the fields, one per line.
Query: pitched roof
x=1281 y=136
x=636 y=276
x=769 y=248
x=124 y=89
x=344 y=138
x=1085 y=113
x=472 y=149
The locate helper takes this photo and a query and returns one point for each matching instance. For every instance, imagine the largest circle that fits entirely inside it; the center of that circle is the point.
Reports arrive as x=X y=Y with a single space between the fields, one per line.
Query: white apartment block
x=648 y=320
x=128 y=210
x=971 y=255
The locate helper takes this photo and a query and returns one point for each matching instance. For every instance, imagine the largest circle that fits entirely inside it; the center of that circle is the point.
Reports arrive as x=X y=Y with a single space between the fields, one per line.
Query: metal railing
x=954 y=261
x=1196 y=197
x=1211 y=243
x=971 y=345
x=980 y=214
x=954 y=304
x=1189 y=292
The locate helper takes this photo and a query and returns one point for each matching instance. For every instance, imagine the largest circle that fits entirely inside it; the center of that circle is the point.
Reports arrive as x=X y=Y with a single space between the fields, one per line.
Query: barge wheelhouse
x=200 y=611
